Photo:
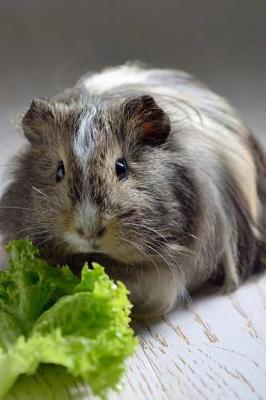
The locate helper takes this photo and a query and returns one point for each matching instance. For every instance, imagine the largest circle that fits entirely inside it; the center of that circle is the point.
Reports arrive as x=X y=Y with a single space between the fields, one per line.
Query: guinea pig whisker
x=144 y=236
x=150 y=245
x=17 y=208
x=162 y=257
x=59 y=244
x=174 y=261
x=33 y=232
x=145 y=227
x=33 y=228
x=41 y=193
x=144 y=252
x=181 y=249
x=49 y=238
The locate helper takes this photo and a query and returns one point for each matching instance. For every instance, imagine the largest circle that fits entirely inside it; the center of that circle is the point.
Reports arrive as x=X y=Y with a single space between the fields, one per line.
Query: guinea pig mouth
x=100 y=258
x=76 y=261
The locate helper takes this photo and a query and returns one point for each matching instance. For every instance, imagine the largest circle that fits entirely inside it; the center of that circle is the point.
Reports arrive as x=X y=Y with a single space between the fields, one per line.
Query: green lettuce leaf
x=48 y=315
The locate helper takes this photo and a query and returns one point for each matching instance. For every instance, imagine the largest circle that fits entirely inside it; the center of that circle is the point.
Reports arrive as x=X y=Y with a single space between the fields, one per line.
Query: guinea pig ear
x=149 y=121
x=36 y=121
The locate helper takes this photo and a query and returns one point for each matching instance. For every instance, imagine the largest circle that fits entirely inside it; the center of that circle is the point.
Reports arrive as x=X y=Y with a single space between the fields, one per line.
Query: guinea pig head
x=101 y=178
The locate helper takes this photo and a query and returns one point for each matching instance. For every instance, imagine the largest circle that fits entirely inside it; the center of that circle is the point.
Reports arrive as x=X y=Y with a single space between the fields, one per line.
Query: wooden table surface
x=213 y=349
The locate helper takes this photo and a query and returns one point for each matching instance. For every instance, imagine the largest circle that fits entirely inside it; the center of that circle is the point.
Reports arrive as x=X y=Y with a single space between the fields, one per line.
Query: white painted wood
x=215 y=349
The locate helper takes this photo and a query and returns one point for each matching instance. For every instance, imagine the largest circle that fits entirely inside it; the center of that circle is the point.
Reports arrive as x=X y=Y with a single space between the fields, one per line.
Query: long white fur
x=82 y=149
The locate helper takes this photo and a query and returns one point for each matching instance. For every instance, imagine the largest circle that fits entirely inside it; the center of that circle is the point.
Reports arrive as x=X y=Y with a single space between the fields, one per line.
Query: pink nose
x=92 y=234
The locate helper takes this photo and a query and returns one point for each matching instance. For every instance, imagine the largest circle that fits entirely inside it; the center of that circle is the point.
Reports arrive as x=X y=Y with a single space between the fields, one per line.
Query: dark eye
x=60 y=173
x=121 y=169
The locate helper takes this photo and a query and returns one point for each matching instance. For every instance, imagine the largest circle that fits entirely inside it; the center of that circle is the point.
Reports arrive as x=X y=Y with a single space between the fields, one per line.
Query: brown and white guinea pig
x=148 y=172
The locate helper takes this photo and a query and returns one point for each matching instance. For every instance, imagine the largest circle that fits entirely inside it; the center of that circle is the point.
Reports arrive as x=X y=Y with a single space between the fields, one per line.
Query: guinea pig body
x=147 y=172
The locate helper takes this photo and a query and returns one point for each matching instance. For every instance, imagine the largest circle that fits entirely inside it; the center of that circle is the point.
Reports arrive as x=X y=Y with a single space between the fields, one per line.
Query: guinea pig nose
x=100 y=232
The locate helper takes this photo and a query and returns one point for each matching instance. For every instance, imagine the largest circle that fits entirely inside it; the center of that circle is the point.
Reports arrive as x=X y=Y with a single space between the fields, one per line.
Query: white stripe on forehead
x=83 y=143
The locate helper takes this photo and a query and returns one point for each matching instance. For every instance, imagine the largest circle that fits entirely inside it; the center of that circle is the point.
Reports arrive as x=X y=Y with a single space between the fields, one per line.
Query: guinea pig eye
x=60 y=173
x=121 y=169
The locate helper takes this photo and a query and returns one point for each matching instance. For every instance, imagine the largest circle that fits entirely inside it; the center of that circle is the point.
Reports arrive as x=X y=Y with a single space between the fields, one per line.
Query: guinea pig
x=147 y=172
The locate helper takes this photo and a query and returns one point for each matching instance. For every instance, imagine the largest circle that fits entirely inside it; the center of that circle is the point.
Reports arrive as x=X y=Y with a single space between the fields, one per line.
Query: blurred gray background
x=46 y=45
